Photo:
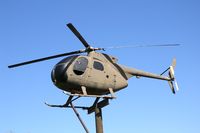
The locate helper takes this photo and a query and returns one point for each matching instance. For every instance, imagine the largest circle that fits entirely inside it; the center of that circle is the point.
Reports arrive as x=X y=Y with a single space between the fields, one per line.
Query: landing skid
x=96 y=107
x=67 y=104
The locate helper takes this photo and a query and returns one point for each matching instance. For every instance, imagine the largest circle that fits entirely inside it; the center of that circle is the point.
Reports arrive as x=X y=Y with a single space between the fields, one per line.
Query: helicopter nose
x=58 y=74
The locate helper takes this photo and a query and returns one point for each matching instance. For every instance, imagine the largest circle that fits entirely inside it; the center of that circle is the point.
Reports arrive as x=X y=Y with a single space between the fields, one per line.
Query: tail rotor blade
x=176 y=84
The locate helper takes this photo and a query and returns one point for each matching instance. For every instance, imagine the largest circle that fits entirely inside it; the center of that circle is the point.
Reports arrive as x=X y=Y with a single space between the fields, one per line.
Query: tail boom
x=130 y=72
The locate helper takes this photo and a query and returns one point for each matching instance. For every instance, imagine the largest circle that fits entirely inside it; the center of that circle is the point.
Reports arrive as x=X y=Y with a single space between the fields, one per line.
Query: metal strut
x=78 y=115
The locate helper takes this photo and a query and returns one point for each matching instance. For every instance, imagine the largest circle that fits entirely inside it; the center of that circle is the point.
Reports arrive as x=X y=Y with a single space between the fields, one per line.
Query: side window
x=98 y=66
x=80 y=65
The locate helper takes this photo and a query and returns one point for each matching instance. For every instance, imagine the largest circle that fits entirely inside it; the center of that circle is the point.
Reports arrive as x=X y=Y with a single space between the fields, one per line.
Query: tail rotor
x=172 y=80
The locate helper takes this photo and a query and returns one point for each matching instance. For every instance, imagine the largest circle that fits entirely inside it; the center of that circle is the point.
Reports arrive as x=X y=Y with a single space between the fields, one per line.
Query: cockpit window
x=80 y=65
x=98 y=66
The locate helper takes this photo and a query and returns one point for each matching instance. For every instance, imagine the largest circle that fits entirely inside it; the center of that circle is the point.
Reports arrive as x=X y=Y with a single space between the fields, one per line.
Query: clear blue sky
x=34 y=29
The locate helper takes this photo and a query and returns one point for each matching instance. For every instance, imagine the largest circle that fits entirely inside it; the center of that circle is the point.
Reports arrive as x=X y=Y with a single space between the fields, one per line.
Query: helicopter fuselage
x=97 y=72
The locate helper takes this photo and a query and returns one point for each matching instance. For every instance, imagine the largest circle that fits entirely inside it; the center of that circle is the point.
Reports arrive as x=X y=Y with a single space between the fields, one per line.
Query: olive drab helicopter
x=96 y=74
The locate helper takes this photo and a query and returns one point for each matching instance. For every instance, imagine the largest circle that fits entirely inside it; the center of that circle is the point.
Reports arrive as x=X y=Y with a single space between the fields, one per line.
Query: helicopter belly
x=92 y=86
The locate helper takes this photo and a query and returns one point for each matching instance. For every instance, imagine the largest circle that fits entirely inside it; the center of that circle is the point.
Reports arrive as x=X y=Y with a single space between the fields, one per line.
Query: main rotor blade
x=78 y=35
x=45 y=58
x=137 y=46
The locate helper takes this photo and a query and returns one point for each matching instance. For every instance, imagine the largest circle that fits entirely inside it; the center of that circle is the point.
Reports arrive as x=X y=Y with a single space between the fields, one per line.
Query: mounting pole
x=98 y=119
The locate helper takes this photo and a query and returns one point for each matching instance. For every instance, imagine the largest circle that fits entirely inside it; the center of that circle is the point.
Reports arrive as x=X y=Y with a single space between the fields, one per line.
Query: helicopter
x=96 y=74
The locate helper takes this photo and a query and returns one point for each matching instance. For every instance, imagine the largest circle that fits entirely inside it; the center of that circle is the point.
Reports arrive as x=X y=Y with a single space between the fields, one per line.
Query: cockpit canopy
x=80 y=65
